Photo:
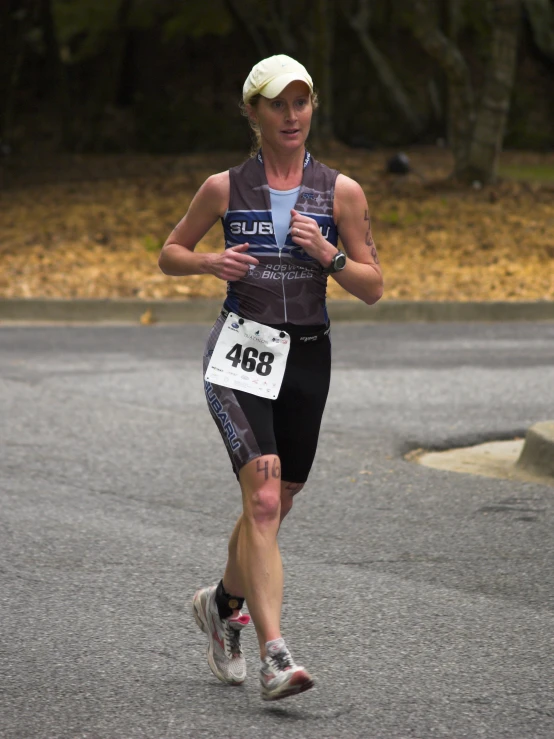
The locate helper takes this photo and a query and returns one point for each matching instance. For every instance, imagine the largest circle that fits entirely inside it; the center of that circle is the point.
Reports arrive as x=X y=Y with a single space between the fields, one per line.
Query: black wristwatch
x=338 y=262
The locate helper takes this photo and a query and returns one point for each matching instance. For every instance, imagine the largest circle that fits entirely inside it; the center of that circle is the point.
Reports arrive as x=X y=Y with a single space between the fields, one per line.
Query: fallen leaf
x=147 y=318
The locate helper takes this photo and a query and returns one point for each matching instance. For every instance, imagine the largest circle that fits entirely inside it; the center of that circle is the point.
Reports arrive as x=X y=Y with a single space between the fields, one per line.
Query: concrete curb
x=537 y=455
x=128 y=310
x=529 y=460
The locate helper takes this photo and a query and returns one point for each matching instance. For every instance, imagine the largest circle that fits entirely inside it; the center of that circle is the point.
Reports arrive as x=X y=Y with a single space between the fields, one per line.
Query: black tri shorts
x=288 y=426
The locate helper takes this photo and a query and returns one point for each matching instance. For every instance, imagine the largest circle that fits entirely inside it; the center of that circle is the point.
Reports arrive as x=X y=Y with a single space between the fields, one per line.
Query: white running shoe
x=225 y=656
x=280 y=676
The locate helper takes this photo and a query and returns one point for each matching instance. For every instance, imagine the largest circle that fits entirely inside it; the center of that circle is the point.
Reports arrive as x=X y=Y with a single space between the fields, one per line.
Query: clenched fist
x=232 y=264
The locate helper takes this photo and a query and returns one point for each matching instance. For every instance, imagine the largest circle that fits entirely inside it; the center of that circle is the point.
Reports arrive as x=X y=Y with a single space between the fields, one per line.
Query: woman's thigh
x=245 y=421
x=299 y=409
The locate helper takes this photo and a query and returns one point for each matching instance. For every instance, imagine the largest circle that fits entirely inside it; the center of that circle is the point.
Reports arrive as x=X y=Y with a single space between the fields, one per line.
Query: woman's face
x=284 y=121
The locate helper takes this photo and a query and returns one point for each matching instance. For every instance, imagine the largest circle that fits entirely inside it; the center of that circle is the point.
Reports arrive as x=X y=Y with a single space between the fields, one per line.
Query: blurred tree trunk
x=16 y=18
x=460 y=92
x=322 y=68
x=244 y=18
x=453 y=21
x=268 y=23
x=392 y=85
x=279 y=15
x=108 y=77
x=6 y=51
x=58 y=73
x=541 y=17
x=475 y=134
x=490 y=124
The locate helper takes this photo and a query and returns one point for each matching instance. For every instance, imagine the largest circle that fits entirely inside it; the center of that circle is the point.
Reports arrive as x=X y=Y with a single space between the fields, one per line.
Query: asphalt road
x=421 y=600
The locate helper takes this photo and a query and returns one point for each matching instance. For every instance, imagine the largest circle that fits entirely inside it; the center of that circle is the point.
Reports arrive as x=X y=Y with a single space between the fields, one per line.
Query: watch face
x=339 y=262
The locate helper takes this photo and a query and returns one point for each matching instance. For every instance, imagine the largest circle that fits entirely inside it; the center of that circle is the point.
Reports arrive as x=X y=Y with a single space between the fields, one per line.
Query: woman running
x=267 y=360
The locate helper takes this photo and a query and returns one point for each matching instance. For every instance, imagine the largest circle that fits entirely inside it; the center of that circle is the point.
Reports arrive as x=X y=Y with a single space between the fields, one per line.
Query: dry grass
x=92 y=227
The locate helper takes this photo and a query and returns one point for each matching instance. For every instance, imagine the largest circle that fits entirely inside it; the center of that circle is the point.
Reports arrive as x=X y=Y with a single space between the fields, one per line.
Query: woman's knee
x=260 y=481
x=263 y=505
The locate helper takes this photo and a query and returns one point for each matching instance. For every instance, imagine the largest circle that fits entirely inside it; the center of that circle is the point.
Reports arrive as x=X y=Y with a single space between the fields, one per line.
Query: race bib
x=249 y=356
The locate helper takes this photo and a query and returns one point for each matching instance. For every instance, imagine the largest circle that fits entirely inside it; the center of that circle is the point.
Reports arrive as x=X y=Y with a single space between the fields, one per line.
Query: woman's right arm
x=177 y=257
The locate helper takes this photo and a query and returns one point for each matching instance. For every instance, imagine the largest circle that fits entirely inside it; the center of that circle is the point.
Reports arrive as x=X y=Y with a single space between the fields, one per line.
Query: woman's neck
x=283 y=172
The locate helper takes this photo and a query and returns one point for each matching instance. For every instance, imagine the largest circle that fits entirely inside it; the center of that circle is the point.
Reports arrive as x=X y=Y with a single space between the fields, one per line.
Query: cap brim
x=276 y=86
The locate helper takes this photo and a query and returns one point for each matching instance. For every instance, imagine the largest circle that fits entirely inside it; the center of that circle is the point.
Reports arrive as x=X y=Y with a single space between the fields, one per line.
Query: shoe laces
x=231 y=639
x=282 y=660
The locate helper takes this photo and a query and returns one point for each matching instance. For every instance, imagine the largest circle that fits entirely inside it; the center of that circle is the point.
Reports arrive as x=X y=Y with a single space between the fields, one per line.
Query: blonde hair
x=257 y=137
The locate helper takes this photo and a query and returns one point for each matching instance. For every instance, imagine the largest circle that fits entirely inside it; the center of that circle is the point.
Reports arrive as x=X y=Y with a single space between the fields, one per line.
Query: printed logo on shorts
x=222 y=416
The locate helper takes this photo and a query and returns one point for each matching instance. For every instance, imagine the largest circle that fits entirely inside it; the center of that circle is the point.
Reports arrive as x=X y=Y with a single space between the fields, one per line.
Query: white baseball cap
x=270 y=77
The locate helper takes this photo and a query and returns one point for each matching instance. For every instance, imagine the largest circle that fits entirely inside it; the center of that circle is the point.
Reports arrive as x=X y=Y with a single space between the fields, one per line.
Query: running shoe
x=280 y=676
x=225 y=656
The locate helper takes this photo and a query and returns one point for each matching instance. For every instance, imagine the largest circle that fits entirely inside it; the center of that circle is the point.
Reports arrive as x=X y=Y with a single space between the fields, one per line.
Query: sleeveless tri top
x=288 y=285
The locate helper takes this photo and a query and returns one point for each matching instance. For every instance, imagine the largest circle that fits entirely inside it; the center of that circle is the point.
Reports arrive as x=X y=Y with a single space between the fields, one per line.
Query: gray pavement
x=420 y=599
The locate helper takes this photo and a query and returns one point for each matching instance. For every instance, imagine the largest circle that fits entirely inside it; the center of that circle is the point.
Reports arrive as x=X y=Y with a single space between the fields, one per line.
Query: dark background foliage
x=165 y=76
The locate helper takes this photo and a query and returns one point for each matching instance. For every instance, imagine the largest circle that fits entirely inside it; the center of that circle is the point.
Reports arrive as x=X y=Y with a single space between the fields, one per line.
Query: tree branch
x=460 y=90
x=362 y=17
x=323 y=24
x=541 y=17
x=237 y=10
x=391 y=83
x=287 y=39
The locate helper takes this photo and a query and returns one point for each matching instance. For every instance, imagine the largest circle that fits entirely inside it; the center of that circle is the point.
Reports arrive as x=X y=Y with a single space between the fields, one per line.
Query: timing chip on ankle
x=226 y=603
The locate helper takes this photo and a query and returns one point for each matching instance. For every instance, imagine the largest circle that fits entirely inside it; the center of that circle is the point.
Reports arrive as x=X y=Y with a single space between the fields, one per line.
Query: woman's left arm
x=362 y=275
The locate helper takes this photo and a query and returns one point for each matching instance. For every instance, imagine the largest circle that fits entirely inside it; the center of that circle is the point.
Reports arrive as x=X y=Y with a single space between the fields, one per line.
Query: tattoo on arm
x=368 y=237
x=374 y=255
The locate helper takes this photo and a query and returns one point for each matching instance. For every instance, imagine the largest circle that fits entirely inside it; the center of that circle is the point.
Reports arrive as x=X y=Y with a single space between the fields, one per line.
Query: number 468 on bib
x=249 y=356
x=251 y=360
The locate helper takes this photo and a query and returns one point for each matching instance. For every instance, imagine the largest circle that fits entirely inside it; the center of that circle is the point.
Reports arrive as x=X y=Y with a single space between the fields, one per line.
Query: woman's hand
x=305 y=232
x=232 y=264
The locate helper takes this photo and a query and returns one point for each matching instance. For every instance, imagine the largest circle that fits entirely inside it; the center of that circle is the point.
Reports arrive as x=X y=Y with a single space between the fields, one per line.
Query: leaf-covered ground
x=93 y=226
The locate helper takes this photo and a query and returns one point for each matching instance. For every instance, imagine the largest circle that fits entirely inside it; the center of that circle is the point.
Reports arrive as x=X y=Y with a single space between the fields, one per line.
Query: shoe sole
x=199 y=618
x=290 y=691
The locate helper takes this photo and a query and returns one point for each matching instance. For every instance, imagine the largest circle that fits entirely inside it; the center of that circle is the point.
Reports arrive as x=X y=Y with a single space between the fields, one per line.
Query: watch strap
x=331 y=269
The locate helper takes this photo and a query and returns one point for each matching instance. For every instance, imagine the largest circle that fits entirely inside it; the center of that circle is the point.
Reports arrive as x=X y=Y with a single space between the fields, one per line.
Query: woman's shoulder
x=221 y=182
x=214 y=192
x=349 y=197
x=346 y=187
x=217 y=184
